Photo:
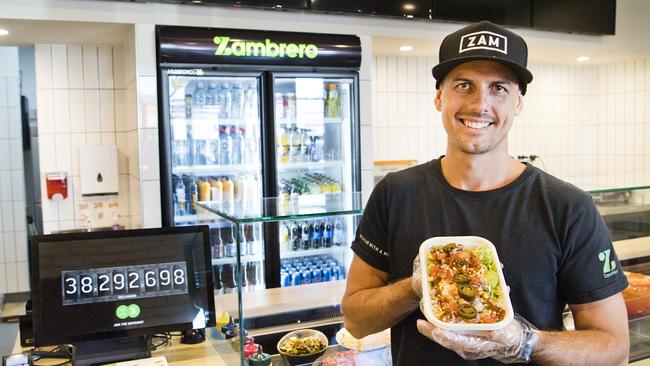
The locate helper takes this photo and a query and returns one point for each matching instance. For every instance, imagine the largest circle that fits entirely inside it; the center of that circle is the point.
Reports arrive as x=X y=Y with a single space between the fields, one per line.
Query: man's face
x=478 y=101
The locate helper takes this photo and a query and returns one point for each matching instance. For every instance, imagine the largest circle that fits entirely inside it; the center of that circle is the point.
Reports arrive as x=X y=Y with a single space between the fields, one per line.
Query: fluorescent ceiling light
x=408 y=6
x=582 y=59
x=406 y=48
x=3 y=32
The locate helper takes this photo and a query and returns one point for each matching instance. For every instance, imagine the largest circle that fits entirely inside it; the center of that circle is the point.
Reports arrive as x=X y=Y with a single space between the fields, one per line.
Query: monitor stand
x=111 y=350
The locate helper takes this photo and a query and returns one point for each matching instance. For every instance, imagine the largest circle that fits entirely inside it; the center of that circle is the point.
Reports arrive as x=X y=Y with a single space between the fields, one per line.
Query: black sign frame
x=202 y=46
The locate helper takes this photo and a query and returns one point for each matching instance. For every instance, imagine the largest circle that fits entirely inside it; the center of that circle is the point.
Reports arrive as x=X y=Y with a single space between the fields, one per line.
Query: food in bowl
x=295 y=346
x=464 y=284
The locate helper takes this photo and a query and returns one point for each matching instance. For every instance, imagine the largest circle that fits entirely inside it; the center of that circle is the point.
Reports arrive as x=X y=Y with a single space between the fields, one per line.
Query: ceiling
x=29 y=32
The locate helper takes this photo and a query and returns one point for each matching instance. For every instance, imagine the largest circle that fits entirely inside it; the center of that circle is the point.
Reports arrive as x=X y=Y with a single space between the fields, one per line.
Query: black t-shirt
x=554 y=246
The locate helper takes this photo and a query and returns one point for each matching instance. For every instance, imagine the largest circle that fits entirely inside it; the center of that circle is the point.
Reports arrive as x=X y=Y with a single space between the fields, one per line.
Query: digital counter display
x=127 y=282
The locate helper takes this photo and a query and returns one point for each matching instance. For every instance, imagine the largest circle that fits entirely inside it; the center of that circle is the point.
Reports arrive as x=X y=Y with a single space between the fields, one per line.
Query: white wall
x=14 y=276
x=589 y=124
x=76 y=96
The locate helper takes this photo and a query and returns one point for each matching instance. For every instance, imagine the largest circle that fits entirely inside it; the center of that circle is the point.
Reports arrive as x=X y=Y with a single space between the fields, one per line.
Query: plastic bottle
x=332 y=109
x=236 y=146
x=204 y=190
x=224 y=97
x=250 y=101
x=225 y=156
x=211 y=94
x=188 y=105
x=296 y=236
x=228 y=190
x=218 y=249
x=279 y=107
x=216 y=277
x=295 y=144
x=198 y=97
x=216 y=190
x=284 y=146
x=305 y=237
x=194 y=195
x=328 y=234
x=305 y=153
x=181 y=208
x=241 y=145
x=338 y=233
x=284 y=236
x=291 y=106
x=237 y=104
x=230 y=248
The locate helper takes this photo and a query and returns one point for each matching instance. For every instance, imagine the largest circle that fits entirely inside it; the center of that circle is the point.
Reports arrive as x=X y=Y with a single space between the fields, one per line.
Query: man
x=553 y=244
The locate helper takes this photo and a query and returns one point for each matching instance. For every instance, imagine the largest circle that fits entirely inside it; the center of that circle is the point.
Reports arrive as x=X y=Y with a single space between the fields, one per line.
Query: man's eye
x=463 y=86
x=500 y=89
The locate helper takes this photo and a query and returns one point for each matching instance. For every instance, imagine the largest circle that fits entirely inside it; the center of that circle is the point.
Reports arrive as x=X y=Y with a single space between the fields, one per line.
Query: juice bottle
x=204 y=190
x=228 y=190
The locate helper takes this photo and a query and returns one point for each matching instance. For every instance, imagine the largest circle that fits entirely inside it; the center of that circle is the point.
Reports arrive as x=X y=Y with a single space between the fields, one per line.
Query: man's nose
x=480 y=100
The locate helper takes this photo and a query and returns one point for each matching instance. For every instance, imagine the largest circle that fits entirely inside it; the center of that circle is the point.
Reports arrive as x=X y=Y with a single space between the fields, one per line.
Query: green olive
x=461 y=278
x=467 y=311
x=449 y=247
x=467 y=292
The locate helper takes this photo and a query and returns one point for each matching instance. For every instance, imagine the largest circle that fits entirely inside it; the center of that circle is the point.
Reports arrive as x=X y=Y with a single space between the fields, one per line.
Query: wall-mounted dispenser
x=57 y=185
x=98 y=170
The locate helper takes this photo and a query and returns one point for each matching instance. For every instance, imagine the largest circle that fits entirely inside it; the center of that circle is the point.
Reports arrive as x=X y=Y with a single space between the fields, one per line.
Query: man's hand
x=512 y=344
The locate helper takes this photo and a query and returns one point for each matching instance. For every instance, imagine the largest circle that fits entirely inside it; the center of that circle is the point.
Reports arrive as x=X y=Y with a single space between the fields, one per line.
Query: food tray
x=468 y=242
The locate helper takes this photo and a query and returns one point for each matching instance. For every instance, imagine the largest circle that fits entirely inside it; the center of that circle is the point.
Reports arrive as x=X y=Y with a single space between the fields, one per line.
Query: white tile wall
x=13 y=227
x=585 y=122
x=76 y=95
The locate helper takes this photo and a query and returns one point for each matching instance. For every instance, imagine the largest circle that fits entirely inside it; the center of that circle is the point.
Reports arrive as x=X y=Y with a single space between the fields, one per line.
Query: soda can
x=336 y=273
x=295 y=278
x=326 y=275
x=315 y=275
x=285 y=278
x=306 y=277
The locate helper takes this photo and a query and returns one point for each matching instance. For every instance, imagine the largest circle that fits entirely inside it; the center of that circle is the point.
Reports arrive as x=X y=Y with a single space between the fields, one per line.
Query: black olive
x=461 y=278
x=467 y=292
x=467 y=311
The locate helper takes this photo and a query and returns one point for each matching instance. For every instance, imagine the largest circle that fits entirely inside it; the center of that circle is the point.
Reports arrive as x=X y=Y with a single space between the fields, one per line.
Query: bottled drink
x=295 y=143
x=291 y=106
x=219 y=249
x=230 y=246
x=237 y=106
x=225 y=156
x=189 y=143
x=316 y=148
x=328 y=234
x=318 y=236
x=338 y=233
x=224 y=97
x=279 y=107
x=214 y=147
x=216 y=190
x=229 y=278
x=211 y=94
x=251 y=275
x=250 y=101
x=236 y=146
x=305 y=236
x=312 y=235
x=198 y=97
x=296 y=236
x=204 y=190
x=284 y=146
x=188 y=105
x=332 y=109
x=241 y=144
x=180 y=197
x=228 y=190
x=305 y=153
x=284 y=236
x=216 y=277
x=194 y=194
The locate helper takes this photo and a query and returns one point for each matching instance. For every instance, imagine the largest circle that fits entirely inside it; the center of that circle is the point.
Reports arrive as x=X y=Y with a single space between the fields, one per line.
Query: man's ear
x=437 y=101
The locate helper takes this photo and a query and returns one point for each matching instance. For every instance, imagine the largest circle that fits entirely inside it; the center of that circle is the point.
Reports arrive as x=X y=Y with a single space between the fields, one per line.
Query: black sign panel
x=191 y=45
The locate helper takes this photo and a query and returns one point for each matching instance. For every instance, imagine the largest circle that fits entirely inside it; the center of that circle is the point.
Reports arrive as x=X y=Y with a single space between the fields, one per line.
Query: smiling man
x=553 y=244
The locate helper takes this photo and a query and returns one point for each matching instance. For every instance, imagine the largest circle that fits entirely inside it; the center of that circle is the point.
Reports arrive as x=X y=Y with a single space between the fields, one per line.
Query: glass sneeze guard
x=240 y=214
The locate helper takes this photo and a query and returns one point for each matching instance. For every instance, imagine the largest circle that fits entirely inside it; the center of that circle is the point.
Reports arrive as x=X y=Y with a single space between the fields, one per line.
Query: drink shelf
x=185 y=219
x=289 y=121
x=215 y=169
x=309 y=165
x=310 y=252
x=244 y=259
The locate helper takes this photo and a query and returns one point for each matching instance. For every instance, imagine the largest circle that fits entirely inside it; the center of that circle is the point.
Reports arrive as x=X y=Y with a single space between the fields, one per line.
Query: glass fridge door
x=313 y=131
x=215 y=142
x=215 y=126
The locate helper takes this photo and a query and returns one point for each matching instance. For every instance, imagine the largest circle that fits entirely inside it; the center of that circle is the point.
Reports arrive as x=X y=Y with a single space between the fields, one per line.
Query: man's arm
x=370 y=304
x=601 y=336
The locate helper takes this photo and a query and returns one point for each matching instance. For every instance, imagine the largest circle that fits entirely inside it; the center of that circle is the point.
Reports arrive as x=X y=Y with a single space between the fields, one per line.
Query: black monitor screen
x=404 y=8
x=504 y=12
x=581 y=16
x=89 y=286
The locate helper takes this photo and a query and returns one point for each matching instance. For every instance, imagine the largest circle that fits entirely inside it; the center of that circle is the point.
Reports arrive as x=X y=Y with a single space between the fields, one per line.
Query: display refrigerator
x=251 y=114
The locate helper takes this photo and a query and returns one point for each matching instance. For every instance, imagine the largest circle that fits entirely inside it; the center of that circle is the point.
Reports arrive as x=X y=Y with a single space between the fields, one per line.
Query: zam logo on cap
x=484 y=40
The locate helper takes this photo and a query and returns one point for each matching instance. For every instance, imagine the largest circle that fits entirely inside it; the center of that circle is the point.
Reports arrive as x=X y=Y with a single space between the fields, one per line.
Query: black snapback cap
x=484 y=41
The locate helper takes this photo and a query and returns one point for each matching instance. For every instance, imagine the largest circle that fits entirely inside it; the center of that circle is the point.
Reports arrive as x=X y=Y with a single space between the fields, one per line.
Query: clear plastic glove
x=512 y=344
x=416 y=278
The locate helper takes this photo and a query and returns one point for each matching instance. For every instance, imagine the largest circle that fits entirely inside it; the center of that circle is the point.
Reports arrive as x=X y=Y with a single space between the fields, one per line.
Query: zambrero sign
x=269 y=48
